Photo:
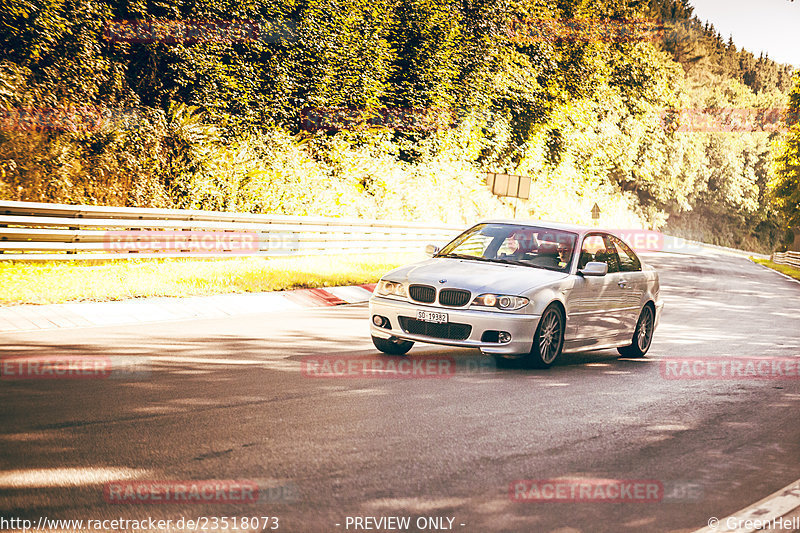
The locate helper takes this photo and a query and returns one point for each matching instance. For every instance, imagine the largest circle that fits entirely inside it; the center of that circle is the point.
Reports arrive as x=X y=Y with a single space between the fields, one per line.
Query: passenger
x=547 y=255
x=564 y=252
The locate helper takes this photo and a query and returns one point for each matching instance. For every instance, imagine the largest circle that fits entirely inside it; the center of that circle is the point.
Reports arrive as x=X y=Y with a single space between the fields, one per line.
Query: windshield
x=514 y=244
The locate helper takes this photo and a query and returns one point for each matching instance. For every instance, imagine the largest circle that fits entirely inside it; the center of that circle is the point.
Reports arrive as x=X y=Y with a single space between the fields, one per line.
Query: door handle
x=622 y=284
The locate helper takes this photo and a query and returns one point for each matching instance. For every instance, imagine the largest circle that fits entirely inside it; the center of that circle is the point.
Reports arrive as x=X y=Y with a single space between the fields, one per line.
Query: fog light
x=504 y=336
x=381 y=322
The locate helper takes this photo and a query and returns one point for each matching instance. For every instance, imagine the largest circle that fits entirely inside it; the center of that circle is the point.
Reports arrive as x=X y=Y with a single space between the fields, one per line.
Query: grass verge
x=783 y=269
x=59 y=282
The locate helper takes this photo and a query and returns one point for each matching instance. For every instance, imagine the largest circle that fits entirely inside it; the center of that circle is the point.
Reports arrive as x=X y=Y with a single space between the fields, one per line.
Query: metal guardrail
x=787 y=258
x=41 y=231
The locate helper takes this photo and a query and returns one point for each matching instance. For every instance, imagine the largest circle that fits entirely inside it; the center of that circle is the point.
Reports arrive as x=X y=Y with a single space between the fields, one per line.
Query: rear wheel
x=549 y=339
x=642 y=336
x=392 y=347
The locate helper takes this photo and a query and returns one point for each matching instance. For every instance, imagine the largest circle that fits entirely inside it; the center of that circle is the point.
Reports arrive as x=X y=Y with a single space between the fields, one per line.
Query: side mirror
x=432 y=250
x=594 y=268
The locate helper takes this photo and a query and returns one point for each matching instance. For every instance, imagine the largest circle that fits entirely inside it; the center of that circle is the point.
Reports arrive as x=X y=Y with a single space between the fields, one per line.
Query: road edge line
x=133 y=311
x=790 y=278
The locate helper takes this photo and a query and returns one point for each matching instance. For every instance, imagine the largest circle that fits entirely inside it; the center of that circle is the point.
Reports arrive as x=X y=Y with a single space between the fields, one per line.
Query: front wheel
x=549 y=339
x=642 y=336
x=392 y=347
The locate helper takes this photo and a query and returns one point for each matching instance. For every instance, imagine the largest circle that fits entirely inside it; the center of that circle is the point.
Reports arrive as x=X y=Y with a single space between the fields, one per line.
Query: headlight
x=501 y=301
x=391 y=288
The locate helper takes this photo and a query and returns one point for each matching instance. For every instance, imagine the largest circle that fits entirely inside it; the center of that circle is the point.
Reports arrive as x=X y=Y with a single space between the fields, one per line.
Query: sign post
x=510 y=186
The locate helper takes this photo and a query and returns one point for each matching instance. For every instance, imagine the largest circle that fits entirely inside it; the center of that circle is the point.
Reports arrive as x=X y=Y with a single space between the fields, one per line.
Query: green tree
x=786 y=188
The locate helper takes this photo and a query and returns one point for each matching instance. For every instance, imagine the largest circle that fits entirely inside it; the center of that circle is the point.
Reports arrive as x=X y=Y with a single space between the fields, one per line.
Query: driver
x=519 y=244
x=564 y=251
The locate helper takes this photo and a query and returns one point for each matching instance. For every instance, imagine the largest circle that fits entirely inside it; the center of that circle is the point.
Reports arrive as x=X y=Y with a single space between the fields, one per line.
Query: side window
x=628 y=262
x=611 y=256
x=592 y=245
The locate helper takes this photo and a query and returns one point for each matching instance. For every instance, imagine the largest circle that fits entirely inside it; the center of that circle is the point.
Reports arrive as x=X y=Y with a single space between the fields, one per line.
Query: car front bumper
x=521 y=327
x=659 y=308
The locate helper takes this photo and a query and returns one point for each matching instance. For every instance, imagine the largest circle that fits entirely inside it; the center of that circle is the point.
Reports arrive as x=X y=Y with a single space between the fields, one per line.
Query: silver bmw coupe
x=513 y=289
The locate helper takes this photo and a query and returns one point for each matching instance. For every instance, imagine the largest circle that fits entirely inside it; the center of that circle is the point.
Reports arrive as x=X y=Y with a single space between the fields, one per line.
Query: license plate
x=432 y=316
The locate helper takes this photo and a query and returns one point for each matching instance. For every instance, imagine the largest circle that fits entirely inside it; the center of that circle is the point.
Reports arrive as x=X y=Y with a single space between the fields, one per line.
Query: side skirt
x=604 y=343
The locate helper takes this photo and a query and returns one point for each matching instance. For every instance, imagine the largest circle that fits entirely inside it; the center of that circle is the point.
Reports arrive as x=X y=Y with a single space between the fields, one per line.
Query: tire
x=642 y=335
x=390 y=347
x=549 y=339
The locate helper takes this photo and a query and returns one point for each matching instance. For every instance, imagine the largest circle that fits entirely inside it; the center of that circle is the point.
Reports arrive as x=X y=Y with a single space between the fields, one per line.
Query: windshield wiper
x=462 y=256
x=488 y=259
x=514 y=262
x=502 y=261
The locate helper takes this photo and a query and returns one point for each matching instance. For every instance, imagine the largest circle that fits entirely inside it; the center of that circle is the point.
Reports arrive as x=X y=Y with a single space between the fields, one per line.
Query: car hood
x=476 y=276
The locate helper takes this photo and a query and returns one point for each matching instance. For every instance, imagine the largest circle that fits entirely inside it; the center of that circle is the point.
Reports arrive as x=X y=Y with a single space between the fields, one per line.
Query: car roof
x=575 y=228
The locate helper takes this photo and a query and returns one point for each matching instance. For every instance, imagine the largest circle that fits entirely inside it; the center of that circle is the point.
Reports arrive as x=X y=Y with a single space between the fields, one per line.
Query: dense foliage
x=786 y=188
x=216 y=123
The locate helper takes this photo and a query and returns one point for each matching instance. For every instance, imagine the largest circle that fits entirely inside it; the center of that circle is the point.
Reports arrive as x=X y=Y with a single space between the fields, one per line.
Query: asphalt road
x=228 y=400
